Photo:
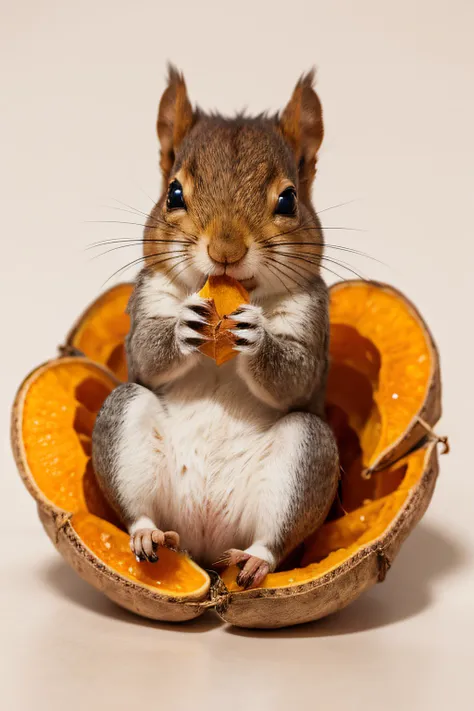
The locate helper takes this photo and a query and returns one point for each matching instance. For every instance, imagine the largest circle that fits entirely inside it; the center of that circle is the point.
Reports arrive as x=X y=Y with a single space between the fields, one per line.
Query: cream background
x=79 y=91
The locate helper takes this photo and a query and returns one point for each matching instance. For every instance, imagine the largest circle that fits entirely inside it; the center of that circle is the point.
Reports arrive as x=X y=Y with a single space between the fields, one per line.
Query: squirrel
x=234 y=464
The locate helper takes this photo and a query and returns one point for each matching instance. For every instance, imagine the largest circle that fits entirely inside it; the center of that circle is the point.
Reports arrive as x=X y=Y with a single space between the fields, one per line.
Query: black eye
x=175 y=199
x=286 y=204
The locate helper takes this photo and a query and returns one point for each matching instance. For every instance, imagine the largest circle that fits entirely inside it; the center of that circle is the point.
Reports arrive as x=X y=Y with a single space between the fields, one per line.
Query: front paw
x=249 y=329
x=193 y=320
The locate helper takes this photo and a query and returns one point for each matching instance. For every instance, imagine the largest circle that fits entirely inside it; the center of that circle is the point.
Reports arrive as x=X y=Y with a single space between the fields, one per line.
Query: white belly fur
x=213 y=455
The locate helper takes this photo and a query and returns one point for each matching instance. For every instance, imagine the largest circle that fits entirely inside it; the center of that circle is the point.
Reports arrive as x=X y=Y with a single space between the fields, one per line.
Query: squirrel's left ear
x=175 y=118
x=301 y=123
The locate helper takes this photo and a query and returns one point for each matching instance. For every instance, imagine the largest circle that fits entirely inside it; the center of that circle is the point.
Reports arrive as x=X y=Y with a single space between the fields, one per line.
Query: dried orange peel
x=380 y=348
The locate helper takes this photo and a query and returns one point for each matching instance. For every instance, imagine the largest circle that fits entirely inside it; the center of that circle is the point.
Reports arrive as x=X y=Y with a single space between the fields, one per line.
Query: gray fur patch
x=106 y=437
x=294 y=370
x=317 y=474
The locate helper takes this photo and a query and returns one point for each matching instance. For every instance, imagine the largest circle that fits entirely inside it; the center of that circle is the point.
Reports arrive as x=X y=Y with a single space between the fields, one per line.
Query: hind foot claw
x=144 y=543
x=253 y=570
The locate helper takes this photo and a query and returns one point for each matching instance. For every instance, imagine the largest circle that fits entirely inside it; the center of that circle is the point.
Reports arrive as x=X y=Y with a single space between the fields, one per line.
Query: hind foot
x=145 y=541
x=253 y=570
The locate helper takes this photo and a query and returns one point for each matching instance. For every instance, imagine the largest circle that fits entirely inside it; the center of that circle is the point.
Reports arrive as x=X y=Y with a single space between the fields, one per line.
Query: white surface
x=80 y=87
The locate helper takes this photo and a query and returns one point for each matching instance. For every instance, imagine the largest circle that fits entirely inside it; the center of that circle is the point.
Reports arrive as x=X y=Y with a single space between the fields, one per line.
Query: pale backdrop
x=79 y=92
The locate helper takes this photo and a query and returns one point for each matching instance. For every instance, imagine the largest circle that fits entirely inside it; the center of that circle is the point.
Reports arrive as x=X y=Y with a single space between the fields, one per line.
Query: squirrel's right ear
x=301 y=123
x=175 y=118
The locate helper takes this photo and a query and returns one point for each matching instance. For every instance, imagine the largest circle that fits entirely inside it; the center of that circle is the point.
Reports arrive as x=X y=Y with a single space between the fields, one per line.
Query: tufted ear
x=301 y=123
x=175 y=118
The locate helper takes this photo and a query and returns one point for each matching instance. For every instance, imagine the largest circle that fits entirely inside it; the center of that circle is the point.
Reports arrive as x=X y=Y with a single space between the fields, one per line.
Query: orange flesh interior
x=101 y=332
x=59 y=411
x=381 y=365
x=378 y=350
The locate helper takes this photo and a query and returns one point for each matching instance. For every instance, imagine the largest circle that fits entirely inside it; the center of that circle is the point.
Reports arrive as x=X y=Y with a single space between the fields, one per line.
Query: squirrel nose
x=226 y=251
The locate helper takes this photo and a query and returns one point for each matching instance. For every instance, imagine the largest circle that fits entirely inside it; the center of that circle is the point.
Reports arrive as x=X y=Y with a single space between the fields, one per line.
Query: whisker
x=137 y=185
x=305 y=268
x=131 y=212
x=344 y=265
x=131 y=208
x=333 y=207
x=153 y=202
x=319 y=259
x=276 y=261
x=306 y=226
x=342 y=248
x=159 y=261
x=124 y=246
x=282 y=234
x=322 y=266
x=324 y=228
x=181 y=270
x=135 y=211
x=331 y=271
x=123 y=269
x=267 y=266
x=141 y=224
x=137 y=261
x=135 y=241
x=115 y=222
x=136 y=224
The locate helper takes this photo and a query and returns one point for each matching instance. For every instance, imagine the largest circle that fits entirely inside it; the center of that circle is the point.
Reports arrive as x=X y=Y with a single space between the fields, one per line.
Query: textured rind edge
x=132 y=596
x=68 y=348
x=16 y=423
x=138 y=598
x=282 y=607
x=431 y=409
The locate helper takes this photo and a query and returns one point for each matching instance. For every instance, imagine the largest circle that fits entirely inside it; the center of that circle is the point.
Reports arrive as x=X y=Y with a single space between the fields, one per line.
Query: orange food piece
x=172 y=574
x=59 y=410
x=100 y=332
x=382 y=368
x=226 y=295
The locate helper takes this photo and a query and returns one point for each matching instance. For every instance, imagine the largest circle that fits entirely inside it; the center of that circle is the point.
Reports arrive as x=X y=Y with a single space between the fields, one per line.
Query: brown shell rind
x=431 y=409
x=136 y=598
x=57 y=524
x=281 y=607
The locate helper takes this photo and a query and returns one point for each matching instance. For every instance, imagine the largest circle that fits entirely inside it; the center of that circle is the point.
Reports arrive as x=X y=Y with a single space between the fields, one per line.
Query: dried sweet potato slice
x=100 y=331
x=226 y=295
x=52 y=425
x=384 y=379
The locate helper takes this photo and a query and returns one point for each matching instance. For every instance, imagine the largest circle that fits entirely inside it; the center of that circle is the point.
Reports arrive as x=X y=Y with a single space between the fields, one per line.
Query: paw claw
x=172 y=540
x=144 y=543
x=193 y=318
x=203 y=310
x=253 y=570
x=253 y=573
x=248 y=328
x=233 y=556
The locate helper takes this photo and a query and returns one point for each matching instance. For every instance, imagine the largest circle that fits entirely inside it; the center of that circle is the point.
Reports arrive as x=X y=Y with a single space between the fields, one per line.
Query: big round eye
x=286 y=204
x=175 y=199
